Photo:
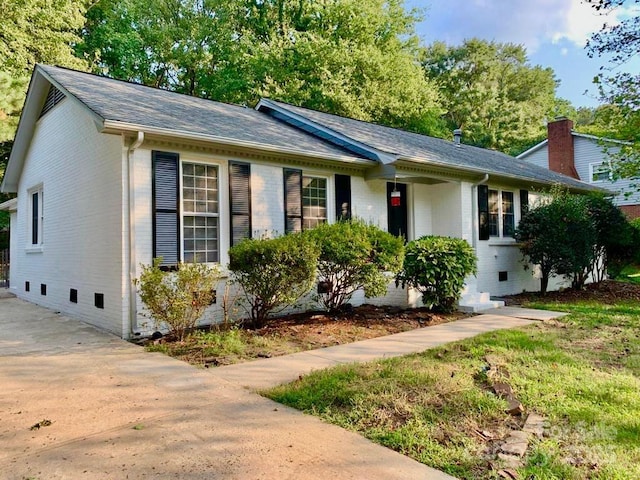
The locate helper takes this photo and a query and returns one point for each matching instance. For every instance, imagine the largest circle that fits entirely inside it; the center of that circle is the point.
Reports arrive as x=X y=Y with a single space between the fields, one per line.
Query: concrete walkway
x=117 y=411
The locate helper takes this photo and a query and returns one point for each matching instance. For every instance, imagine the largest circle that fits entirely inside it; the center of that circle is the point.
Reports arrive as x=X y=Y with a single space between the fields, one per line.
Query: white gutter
x=123 y=126
x=133 y=303
x=474 y=210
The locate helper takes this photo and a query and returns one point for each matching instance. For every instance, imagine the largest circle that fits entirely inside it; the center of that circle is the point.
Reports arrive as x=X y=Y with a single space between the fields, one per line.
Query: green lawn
x=581 y=373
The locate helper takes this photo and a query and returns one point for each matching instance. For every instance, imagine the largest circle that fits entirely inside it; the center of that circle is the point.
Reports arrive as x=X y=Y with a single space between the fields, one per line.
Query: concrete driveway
x=119 y=412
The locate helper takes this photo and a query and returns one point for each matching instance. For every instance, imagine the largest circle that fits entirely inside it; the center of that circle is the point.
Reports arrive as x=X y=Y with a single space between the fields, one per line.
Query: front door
x=397 y=214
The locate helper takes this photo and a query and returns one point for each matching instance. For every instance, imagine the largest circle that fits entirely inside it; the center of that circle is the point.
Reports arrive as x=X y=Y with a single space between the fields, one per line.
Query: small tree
x=437 y=267
x=354 y=255
x=559 y=237
x=273 y=273
x=178 y=299
x=614 y=237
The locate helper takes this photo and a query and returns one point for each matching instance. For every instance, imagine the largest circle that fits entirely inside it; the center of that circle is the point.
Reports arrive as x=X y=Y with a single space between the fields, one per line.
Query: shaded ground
x=608 y=293
x=298 y=332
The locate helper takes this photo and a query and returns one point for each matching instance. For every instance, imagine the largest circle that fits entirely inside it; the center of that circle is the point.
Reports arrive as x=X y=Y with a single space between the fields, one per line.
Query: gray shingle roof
x=434 y=151
x=151 y=107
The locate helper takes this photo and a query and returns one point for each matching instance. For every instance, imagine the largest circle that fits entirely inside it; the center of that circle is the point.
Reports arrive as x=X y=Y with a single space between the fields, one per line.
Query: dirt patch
x=298 y=332
x=609 y=292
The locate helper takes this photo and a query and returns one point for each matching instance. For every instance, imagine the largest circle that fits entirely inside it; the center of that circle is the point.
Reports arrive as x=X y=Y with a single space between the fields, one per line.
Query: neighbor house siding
x=80 y=171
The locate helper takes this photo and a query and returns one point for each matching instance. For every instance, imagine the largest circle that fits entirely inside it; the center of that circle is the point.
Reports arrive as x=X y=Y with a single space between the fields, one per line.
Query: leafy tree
x=437 y=267
x=559 y=237
x=354 y=255
x=350 y=57
x=491 y=91
x=617 y=87
x=613 y=247
x=33 y=31
x=273 y=273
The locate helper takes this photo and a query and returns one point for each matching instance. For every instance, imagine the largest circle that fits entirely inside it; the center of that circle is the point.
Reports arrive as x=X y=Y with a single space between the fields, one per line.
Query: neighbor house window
x=36 y=213
x=314 y=201
x=501 y=214
x=599 y=172
x=200 y=213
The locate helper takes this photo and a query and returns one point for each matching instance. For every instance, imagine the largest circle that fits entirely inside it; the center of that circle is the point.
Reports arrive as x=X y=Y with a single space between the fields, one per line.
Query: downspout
x=474 y=209
x=133 y=303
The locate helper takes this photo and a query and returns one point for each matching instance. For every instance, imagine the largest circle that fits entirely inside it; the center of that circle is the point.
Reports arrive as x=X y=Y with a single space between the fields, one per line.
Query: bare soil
x=609 y=292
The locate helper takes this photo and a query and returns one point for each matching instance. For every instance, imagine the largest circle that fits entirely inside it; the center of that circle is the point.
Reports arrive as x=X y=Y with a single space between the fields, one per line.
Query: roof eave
x=9 y=205
x=112 y=126
x=533 y=149
x=379 y=155
x=36 y=95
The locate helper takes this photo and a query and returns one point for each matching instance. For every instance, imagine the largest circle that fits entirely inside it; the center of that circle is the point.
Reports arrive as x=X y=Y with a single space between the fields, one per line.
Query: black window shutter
x=292 y=200
x=240 y=188
x=483 y=212
x=343 y=197
x=524 y=202
x=166 y=232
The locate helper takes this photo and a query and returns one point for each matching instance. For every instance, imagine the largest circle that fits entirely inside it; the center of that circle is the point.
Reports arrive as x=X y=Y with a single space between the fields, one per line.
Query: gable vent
x=54 y=97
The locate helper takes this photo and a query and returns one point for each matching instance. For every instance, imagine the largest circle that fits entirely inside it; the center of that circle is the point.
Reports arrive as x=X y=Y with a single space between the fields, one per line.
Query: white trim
x=380 y=155
x=37 y=246
x=591 y=171
x=9 y=205
x=123 y=126
x=533 y=149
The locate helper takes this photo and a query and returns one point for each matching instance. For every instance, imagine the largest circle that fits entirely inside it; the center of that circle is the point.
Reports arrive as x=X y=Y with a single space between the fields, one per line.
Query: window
x=36 y=209
x=599 y=172
x=200 y=213
x=502 y=220
x=314 y=201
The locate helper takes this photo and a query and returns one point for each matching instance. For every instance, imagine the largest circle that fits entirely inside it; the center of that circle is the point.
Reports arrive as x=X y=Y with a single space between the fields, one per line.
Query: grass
x=581 y=373
x=630 y=273
x=224 y=347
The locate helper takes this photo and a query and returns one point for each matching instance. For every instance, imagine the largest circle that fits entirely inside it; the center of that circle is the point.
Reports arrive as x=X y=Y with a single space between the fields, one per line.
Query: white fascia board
x=130 y=127
x=600 y=139
x=533 y=149
x=384 y=157
x=36 y=95
x=9 y=205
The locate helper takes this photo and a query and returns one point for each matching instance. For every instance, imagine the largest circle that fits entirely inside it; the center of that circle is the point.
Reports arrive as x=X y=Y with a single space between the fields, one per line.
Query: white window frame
x=327 y=183
x=184 y=213
x=592 y=171
x=501 y=213
x=38 y=244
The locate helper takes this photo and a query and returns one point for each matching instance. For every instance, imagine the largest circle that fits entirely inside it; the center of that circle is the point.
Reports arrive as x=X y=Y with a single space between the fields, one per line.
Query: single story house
x=111 y=174
x=584 y=157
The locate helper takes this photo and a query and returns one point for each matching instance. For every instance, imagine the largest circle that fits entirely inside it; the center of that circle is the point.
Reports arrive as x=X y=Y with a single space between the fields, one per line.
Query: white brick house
x=110 y=174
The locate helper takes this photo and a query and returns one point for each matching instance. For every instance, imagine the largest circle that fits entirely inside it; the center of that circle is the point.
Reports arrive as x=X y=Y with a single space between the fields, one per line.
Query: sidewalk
x=117 y=411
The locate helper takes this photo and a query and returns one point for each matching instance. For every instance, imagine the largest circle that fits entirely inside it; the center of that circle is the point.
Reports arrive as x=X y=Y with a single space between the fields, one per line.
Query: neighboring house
x=584 y=157
x=111 y=174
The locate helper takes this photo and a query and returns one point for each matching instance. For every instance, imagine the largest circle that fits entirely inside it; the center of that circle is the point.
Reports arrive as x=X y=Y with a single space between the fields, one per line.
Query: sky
x=554 y=33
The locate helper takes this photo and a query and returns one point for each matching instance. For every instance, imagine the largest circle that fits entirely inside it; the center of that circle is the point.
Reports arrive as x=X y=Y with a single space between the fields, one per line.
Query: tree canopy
x=350 y=57
x=620 y=42
x=491 y=91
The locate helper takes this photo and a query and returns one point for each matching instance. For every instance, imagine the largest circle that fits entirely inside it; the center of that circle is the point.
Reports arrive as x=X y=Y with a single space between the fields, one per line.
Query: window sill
x=503 y=243
x=34 y=249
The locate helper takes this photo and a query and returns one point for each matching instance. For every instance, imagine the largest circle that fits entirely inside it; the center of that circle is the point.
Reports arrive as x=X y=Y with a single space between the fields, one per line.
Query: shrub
x=560 y=237
x=178 y=299
x=437 y=266
x=614 y=237
x=273 y=273
x=354 y=255
x=635 y=240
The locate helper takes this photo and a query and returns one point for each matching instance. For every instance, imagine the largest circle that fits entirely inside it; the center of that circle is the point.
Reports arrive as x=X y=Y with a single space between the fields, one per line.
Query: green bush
x=635 y=239
x=437 y=266
x=178 y=299
x=273 y=273
x=354 y=255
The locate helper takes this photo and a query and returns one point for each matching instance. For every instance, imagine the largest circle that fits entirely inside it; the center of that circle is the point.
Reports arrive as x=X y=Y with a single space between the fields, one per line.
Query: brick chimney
x=561 y=147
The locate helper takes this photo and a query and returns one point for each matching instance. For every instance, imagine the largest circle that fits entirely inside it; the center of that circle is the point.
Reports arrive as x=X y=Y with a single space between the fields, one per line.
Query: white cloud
x=527 y=22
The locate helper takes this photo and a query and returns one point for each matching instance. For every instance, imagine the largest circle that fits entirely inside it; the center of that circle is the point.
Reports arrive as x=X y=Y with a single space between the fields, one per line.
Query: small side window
x=36 y=214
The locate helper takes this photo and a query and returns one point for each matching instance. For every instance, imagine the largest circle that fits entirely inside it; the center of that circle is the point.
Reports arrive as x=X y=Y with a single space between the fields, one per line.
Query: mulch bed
x=608 y=292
